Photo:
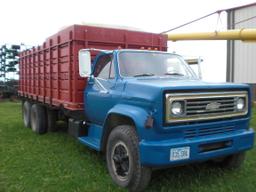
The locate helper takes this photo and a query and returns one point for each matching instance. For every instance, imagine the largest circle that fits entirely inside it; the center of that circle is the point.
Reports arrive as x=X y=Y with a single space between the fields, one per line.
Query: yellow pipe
x=236 y=34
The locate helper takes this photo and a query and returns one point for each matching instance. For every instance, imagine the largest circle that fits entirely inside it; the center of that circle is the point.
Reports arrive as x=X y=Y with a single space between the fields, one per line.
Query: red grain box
x=49 y=73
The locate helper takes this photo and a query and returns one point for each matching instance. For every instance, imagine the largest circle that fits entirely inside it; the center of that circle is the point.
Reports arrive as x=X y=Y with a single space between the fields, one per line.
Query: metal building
x=241 y=56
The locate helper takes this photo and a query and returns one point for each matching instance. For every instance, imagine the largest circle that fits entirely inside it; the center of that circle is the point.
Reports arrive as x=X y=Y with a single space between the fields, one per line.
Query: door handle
x=104 y=91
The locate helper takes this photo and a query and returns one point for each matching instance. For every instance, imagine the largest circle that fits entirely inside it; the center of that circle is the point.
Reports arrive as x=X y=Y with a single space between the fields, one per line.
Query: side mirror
x=195 y=64
x=85 y=67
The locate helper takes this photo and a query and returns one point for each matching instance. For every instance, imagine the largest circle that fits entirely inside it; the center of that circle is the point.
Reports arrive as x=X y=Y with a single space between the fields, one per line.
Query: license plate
x=180 y=153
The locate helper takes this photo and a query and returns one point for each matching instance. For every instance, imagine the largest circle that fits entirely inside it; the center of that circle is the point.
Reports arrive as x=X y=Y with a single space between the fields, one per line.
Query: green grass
x=57 y=162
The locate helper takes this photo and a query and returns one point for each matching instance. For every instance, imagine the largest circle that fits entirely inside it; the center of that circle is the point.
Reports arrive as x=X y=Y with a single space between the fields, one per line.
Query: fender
x=137 y=114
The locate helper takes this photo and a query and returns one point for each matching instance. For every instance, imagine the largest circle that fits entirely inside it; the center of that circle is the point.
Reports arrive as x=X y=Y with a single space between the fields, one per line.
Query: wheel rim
x=120 y=159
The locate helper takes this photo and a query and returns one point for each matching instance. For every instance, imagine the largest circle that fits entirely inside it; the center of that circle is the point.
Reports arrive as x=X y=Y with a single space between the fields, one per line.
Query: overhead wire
x=190 y=22
x=244 y=20
x=205 y=16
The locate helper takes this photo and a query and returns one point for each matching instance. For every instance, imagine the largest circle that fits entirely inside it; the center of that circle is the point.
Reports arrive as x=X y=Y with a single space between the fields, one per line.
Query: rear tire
x=52 y=120
x=26 y=113
x=38 y=119
x=123 y=161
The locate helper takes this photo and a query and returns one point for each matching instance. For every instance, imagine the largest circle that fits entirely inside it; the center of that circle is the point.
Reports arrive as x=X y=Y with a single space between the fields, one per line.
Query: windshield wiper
x=178 y=74
x=144 y=75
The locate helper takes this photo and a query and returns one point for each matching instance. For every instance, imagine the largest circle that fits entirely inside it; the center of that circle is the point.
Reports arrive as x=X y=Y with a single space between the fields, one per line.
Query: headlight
x=177 y=108
x=240 y=103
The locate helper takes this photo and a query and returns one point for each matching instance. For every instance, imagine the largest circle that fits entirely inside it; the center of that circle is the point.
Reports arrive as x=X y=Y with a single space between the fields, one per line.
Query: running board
x=93 y=139
x=91 y=142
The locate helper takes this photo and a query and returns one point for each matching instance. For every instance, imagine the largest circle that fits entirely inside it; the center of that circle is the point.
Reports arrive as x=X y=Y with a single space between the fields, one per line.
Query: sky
x=32 y=21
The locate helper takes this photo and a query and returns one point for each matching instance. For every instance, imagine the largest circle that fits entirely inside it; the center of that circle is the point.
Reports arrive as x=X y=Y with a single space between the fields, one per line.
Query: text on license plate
x=179 y=153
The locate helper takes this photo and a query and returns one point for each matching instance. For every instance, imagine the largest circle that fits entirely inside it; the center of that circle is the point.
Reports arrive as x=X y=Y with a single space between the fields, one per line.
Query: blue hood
x=148 y=93
x=179 y=84
x=150 y=88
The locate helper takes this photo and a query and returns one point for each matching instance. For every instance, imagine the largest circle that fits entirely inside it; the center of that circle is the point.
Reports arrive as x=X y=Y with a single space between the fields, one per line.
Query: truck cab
x=147 y=109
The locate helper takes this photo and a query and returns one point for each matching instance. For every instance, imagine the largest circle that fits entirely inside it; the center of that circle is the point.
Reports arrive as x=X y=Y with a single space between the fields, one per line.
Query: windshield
x=136 y=64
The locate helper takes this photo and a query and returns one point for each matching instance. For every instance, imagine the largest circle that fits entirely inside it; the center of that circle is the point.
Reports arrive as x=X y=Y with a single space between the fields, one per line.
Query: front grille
x=191 y=133
x=206 y=106
x=199 y=106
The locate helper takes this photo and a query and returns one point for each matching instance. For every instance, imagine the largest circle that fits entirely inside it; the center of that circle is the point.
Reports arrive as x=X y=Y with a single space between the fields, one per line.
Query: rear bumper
x=157 y=153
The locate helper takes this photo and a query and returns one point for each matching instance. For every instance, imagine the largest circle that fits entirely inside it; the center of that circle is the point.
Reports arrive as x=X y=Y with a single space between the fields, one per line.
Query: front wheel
x=234 y=161
x=123 y=159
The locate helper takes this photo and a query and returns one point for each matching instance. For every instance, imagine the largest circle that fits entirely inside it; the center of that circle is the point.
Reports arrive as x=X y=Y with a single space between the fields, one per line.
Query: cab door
x=100 y=91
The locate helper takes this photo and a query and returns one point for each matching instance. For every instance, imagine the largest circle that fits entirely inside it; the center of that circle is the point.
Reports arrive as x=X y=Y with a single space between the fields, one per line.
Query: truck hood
x=148 y=93
x=178 y=84
x=152 y=88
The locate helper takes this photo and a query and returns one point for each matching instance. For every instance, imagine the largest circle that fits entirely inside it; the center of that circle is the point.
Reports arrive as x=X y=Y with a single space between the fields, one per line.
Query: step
x=91 y=142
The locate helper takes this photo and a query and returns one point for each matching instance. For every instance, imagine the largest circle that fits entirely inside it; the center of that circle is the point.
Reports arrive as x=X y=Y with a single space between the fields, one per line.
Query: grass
x=57 y=162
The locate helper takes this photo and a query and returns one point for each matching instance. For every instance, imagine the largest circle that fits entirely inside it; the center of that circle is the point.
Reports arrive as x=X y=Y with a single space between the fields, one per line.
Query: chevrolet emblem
x=212 y=106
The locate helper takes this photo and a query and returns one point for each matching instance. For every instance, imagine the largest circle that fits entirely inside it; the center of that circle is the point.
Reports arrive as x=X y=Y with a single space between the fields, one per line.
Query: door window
x=105 y=68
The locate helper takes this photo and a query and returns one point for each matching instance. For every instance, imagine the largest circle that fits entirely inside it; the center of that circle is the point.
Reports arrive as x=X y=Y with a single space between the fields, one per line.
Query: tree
x=9 y=56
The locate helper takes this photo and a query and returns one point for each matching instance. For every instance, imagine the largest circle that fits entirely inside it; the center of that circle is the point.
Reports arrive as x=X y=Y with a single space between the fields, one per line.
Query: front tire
x=234 y=161
x=123 y=159
x=38 y=119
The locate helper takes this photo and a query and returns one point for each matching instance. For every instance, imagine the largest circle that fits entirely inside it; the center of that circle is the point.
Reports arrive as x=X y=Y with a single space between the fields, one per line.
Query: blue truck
x=146 y=109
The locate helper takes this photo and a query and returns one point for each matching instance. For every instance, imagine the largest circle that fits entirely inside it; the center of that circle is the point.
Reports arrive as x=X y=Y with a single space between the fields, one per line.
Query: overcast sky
x=32 y=21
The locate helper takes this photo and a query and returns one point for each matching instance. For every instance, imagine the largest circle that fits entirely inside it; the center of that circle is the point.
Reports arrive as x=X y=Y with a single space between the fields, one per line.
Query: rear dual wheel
x=39 y=118
x=52 y=116
x=26 y=113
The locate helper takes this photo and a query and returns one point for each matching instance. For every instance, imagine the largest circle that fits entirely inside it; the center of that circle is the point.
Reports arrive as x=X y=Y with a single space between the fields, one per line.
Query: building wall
x=241 y=55
x=253 y=89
